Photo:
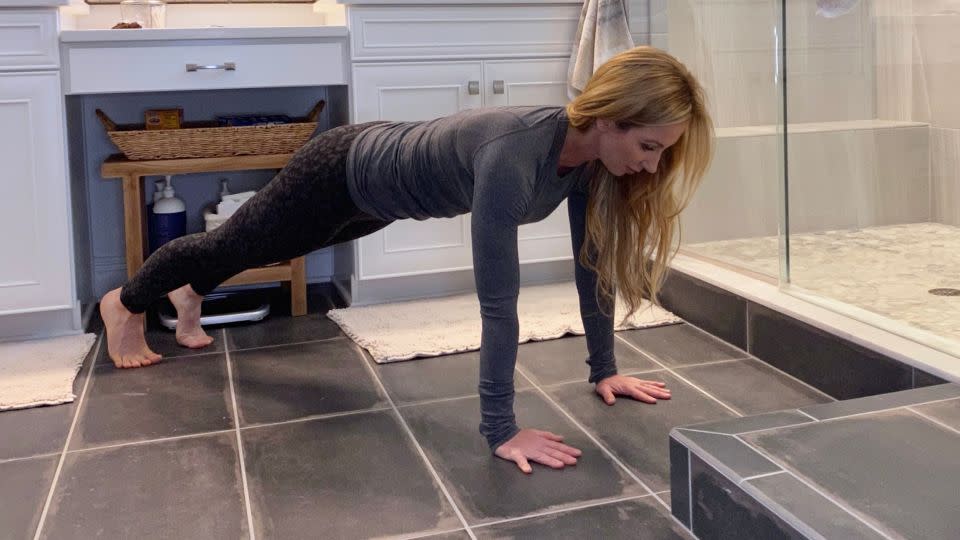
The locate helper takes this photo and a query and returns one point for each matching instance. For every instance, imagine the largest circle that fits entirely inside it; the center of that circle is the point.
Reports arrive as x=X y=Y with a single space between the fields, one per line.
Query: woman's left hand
x=638 y=389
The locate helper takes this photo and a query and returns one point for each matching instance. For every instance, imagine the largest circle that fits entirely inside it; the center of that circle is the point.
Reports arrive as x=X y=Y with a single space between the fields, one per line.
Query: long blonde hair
x=634 y=219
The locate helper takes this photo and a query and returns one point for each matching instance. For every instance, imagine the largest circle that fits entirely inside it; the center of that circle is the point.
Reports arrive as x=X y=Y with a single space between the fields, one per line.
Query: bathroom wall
x=100 y=244
x=918 y=73
x=731 y=45
x=886 y=183
x=648 y=22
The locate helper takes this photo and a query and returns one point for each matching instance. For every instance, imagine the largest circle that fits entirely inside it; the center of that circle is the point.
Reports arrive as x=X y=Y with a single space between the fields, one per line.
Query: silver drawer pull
x=226 y=66
x=497 y=87
x=473 y=87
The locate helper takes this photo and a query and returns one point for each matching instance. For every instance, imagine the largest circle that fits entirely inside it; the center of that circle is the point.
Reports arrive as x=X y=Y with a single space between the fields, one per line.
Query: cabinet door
x=533 y=82
x=415 y=91
x=36 y=270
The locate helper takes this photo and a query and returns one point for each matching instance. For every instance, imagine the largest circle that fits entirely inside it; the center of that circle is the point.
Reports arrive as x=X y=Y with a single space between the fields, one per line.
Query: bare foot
x=126 y=343
x=189 y=332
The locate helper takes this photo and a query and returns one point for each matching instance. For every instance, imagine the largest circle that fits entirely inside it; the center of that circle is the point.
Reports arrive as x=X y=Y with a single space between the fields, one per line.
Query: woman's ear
x=604 y=125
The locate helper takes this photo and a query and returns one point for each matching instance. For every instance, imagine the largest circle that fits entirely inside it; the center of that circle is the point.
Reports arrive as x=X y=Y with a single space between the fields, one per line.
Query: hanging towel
x=603 y=32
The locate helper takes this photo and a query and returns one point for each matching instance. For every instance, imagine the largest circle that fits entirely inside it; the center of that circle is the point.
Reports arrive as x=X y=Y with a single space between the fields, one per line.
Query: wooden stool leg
x=298 y=287
x=133 y=222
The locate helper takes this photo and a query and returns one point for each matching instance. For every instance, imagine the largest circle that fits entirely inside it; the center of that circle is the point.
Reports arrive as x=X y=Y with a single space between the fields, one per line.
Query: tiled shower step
x=880 y=467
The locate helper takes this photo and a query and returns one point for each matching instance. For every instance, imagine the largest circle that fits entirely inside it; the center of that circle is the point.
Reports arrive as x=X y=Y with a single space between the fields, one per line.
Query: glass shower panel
x=872 y=162
x=733 y=49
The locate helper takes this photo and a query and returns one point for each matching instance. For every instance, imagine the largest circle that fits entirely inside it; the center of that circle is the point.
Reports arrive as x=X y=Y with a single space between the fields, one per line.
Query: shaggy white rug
x=41 y=372
x=437 y=326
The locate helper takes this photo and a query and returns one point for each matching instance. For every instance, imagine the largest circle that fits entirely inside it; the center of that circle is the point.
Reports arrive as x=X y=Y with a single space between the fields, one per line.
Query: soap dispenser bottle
x=151 y=225
x=170 y=217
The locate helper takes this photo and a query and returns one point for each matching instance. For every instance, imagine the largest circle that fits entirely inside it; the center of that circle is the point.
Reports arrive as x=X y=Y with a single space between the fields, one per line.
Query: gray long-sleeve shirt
x=502 y=165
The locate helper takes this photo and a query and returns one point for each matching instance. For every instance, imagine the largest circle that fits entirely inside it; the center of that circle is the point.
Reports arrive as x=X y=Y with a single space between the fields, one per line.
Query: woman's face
x=629 y=151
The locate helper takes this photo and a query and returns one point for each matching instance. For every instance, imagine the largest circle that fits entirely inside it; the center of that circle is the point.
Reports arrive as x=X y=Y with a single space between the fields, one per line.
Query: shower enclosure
x=837 y=173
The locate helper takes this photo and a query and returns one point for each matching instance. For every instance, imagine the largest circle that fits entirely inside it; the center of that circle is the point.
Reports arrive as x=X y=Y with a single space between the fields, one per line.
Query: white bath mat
x=41 y=372
x=432 y=327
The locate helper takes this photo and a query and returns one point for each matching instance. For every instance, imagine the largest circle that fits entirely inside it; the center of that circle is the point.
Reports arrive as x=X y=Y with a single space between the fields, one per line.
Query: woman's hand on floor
x=638 y=389
x=539 y=446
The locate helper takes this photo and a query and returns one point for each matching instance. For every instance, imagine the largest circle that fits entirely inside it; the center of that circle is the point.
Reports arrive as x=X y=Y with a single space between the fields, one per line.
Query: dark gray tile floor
x=288 y=430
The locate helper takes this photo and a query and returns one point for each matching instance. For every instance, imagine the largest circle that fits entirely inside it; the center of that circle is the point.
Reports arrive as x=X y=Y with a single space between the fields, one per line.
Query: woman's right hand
x=540 y=446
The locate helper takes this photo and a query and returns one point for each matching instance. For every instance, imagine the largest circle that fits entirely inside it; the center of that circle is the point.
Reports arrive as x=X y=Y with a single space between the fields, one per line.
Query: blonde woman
x=626 y=154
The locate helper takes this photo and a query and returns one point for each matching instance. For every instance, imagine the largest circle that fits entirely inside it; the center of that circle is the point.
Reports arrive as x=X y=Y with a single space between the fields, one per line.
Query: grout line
x=823 y=494
x=677 y=375
x=423 y=535
x=662 y=502
x=798 y=381
x=934 y=420
x=438 y=400
x=715 y=338
x=572 y=508
x=742 y=480
x=885 y=408
x=274 y=346
x=149 y=441
x=751 y=356
x=413 y=439
x=689 y=489
x=27 y=458
x=166 y=357
x=236 y=428
x=66 y=444
x=315 y=417
x=603 y=447
x=727 y=361
x=810 y=416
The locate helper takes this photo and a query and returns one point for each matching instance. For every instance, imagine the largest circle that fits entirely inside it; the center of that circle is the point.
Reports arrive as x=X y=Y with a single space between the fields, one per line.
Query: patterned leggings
x=305 y=207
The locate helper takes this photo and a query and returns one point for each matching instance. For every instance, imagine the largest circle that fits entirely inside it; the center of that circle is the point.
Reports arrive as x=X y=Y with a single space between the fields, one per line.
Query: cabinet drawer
x=150 y=68
x=462 y=31
x=28 y=39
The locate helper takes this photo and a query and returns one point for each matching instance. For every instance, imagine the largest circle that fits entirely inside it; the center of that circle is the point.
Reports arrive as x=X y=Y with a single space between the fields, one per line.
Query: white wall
x=842 y=176
x=731 y=44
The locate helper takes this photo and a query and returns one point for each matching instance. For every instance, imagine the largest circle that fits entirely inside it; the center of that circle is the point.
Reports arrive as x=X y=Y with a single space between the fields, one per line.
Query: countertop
x=32 y=3
x=164 y=34
x=452 y=2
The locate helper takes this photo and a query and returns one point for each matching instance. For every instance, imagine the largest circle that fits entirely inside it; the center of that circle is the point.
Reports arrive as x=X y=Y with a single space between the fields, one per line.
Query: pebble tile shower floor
x=286 y=429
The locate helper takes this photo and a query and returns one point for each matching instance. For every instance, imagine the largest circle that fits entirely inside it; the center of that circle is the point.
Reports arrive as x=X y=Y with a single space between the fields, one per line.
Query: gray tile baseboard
x=836 y=366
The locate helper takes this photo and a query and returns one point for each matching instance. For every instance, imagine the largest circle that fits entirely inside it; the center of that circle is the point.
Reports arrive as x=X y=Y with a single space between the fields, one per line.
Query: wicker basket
x=204 y=139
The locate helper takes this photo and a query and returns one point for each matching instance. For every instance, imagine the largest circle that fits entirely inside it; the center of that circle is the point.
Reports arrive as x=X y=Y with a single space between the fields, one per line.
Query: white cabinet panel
x=548 y=239
x=525 y=82
x=93 y=69
x=36 y=268
x=533 y=82
x=410 y=247
x=415 y=91
x=461 y=31
x=28 y=39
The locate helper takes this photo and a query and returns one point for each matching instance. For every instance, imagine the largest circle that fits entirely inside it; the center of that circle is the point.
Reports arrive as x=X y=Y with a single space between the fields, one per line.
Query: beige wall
x=849 y=175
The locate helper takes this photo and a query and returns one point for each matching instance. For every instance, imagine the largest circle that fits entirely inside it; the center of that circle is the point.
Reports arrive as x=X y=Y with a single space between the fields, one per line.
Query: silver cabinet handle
x=473 y=87
x=497 y=87
x=226 y=66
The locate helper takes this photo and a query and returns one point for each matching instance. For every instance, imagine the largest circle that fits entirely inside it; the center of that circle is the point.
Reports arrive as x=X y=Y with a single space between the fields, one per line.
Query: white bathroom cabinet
x=37 y=288
x=419 y=63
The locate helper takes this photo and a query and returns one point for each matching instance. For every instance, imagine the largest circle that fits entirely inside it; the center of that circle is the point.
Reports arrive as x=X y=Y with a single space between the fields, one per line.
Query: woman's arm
x=598 y=327
x=500 y=199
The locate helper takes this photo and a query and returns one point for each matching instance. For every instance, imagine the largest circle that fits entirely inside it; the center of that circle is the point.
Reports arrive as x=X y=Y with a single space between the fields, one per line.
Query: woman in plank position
x=627 y=154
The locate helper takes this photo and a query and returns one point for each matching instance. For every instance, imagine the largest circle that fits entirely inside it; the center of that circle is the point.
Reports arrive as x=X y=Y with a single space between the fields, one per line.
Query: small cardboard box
x=163 y=118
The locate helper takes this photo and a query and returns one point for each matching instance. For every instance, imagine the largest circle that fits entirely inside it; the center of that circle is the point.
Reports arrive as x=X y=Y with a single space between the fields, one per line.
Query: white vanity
x=399 y=60
x=422 y=60
x=37 y=285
